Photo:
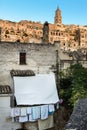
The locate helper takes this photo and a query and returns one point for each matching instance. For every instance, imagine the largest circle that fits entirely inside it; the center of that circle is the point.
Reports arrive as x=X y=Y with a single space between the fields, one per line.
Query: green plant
x=73 y=84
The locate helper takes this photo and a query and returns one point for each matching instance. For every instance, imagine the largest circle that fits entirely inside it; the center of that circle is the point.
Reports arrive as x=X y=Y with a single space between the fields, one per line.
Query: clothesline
x=24 y=114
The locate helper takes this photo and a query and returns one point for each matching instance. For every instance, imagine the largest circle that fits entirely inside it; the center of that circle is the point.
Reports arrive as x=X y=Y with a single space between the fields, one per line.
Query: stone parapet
x=78 y=119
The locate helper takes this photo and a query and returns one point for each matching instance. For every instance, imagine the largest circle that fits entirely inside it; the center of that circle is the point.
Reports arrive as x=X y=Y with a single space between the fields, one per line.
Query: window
x=22 y=58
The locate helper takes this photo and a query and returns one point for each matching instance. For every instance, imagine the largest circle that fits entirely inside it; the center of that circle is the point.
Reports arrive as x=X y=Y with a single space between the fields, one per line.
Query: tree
x=73 y=84
x=79 y=83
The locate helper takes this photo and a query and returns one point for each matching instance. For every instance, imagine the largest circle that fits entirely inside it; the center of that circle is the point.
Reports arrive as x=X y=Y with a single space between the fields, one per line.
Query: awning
x=22 y=73
x=39 y=89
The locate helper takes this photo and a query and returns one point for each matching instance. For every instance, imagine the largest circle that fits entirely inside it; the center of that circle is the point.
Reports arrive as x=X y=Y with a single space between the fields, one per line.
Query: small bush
x=73 y=85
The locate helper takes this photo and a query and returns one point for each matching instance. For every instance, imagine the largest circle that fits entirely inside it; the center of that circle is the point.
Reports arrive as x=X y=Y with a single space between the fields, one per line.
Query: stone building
x=27 y=59
x=21 y=59
x=36 y=32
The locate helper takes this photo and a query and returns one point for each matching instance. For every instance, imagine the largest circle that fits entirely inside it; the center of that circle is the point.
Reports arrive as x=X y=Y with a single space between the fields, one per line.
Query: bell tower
x=58 y=17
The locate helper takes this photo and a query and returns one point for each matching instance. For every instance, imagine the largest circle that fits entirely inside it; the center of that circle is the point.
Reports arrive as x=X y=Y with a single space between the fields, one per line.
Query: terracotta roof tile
x=5 y=89
x=22 y=73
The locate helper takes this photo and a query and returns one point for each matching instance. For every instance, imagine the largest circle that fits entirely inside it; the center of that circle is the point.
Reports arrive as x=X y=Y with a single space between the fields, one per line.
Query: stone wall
x=5 y=120
x=39 y=58
x=78 y=119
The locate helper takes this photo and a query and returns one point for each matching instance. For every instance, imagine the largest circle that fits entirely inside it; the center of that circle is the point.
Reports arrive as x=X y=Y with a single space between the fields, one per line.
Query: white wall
x=5 y=120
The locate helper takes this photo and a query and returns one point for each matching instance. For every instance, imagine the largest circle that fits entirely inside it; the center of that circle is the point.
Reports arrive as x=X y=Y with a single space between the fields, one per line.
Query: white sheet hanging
x=39 y=89
x=46 y=124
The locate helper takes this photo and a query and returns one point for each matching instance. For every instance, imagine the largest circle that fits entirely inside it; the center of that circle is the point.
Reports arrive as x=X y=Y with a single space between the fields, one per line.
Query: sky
x=73 y=11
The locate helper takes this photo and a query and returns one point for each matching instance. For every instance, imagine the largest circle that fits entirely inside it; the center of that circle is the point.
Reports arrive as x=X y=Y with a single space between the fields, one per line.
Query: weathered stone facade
x=33 y=32
x=39 y=59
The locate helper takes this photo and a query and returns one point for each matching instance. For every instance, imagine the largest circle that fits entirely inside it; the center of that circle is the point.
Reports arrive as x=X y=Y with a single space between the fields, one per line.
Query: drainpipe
x=57 y=70
x=13 y=97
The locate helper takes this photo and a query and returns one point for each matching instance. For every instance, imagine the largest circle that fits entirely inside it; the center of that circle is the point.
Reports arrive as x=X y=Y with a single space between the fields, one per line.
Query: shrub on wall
x=73 y=84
